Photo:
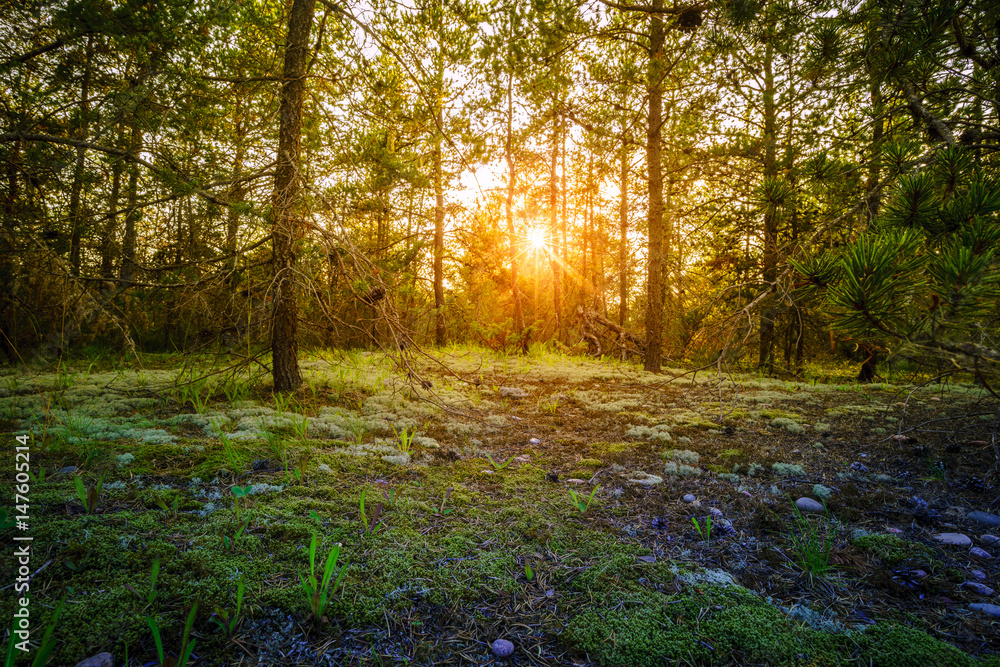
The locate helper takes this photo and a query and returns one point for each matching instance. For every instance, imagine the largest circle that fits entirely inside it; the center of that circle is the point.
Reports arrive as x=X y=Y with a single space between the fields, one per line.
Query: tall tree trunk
x=874 y=159
x=509 y=210
x=75 y=213
x=286 y=228
x=654 y=269
x=554 y=222
x=769 y=261
x=126 y=272
x=237 y=192
x=623 y=233
x=111 y=226
x=439 y=327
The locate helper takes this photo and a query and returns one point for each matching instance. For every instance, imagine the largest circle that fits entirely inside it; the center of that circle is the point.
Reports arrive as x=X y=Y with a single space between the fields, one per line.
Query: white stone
x=991 y=609
x=955 y=539
x=535 y=441
x=502 y=648
x=979 y=589
x=809 y=505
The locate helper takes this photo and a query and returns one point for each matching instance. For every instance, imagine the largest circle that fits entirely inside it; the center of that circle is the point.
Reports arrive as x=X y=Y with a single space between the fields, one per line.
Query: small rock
x=976 y=552
x=67 y=470
x=918 y=574
x=809 y=505
x=894 y=531
x=688 y=498
x=991 y=609
x=979 y=589
x=978 y=574
x=696 y=503
x=933 y=398
x=99 y=660
x=715 y=511
x=647 y=559
x=984 y=517
x=990 y=539
x=747 y=494
x=955 y=539
x=512 y=392
x=523 y=459
x=573 y=480
x=535 y=441
x=502 y=648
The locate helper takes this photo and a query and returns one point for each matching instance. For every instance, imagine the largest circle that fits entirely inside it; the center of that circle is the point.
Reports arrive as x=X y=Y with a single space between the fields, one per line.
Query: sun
x=536 y=238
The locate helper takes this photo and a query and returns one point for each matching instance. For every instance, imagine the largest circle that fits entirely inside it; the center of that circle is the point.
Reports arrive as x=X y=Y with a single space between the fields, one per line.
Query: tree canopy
x=767 y=182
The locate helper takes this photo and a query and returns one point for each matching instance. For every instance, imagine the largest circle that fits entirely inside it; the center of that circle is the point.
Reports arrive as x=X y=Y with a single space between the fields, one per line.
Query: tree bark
x=126 y=272
x=769 y=261
x=509 y=210
x=286 y=228
x=654 y=269
x=75 y=213
x=554 y=222
x=439 y=326
x=623 y=233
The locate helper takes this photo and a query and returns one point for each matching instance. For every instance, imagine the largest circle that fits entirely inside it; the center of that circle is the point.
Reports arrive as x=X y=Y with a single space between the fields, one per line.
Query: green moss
x=637 y=631
x=892 y=549
x=886 y=645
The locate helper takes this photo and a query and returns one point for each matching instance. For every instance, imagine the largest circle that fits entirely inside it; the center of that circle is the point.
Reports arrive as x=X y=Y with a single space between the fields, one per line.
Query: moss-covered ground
x=469 y=531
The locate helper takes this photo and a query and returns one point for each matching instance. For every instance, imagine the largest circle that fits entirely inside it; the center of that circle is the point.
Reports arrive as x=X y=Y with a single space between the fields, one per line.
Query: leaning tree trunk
x=286 y=229
x=654 y=273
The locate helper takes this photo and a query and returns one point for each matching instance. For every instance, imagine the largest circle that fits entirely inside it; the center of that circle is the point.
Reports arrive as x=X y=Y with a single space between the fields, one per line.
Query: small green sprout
x=318 y=590
x=579 y=503
x=89 y=497
x=706 y=534
x=499 y=466
x=224 y=619
x=370 y=524
x=405 y=440
x=447 y=496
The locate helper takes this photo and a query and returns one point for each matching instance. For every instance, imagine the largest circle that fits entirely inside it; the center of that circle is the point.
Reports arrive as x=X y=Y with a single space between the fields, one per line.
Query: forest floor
x=585 y=511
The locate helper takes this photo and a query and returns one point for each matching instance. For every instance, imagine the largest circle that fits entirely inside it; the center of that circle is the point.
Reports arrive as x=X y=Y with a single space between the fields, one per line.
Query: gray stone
x=954 y=539
x=984 y=517
x=513 y=392
x=67 y=470
x=809 y=505
x=646 y=559
x=535 y=441
x=688 y=498
x=976 y=552
x=979 y=589
x=715 y=511
x=99 y=660
x=502 y=648
x=990 y=539
x=991 y=609
x=978 y=574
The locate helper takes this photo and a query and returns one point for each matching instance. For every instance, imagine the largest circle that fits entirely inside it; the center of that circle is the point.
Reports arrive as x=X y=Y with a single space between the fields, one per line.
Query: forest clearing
x=457 y=524
x=468 y=332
